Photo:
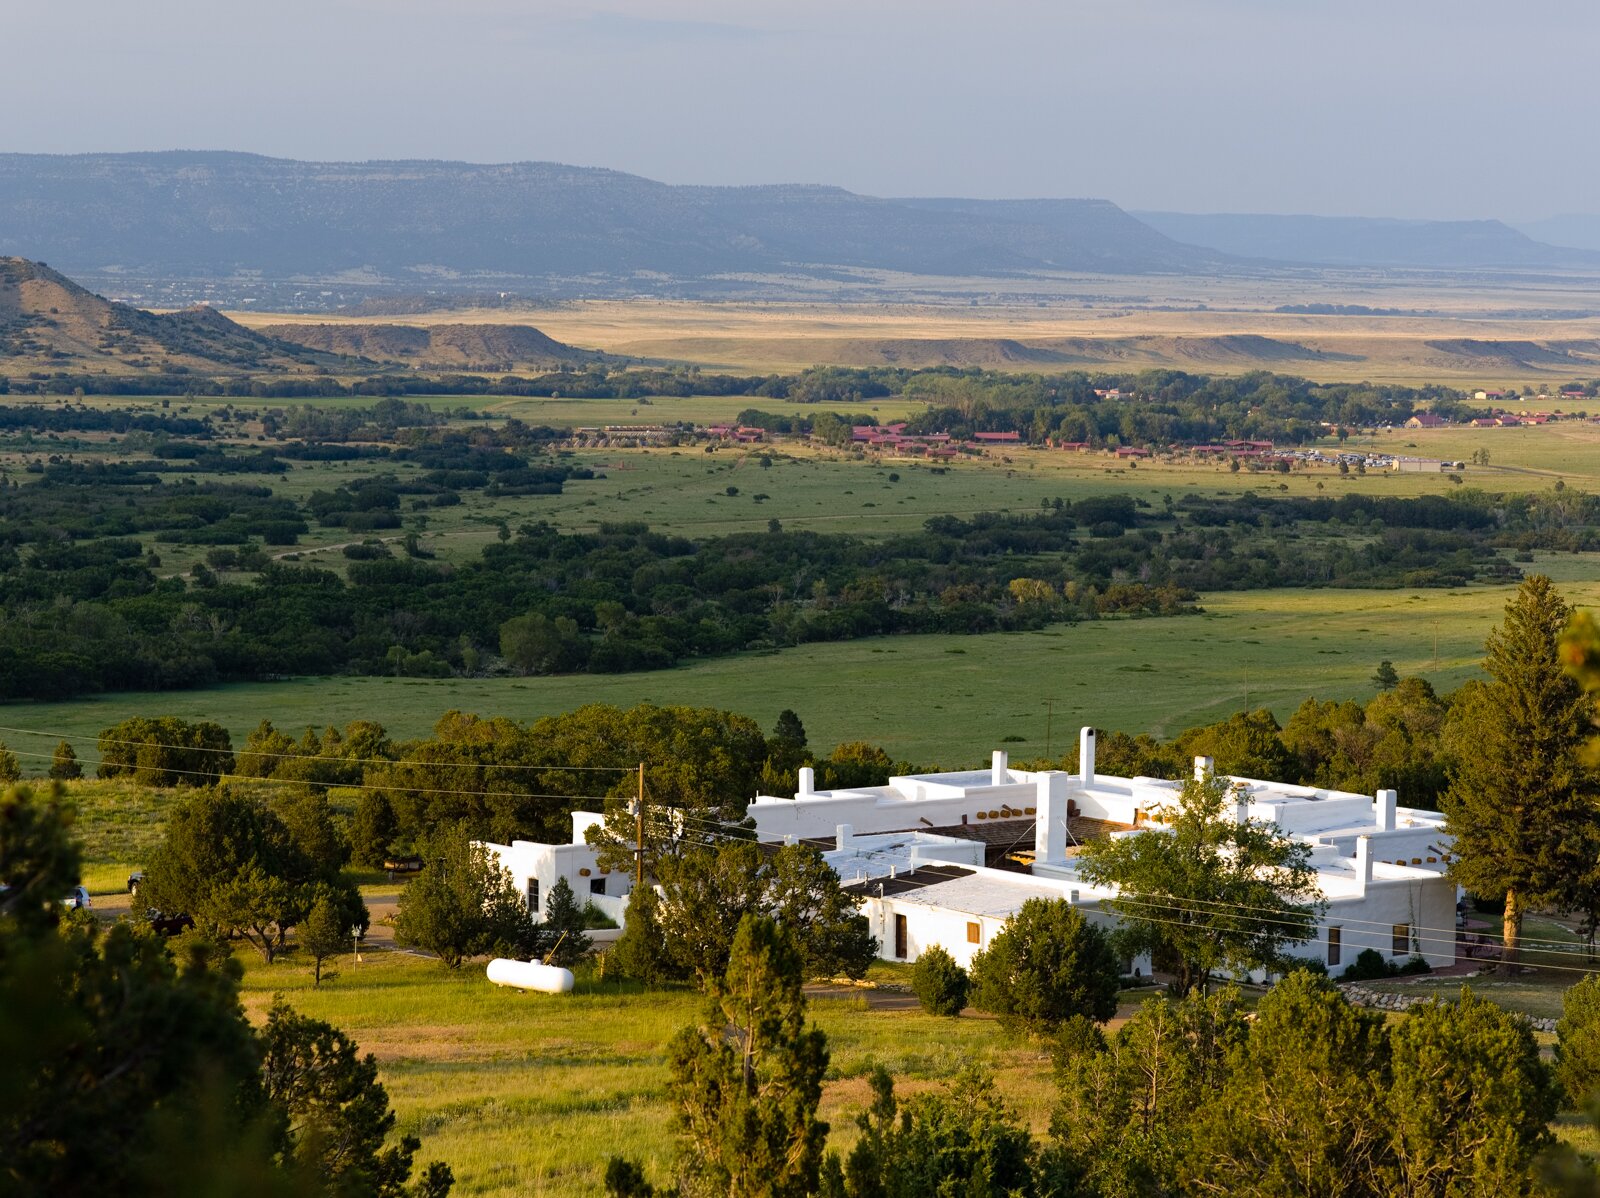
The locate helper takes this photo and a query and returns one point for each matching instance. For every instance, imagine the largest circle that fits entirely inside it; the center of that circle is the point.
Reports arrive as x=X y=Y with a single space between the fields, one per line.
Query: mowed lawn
x=525 y=1094
x=931 y=700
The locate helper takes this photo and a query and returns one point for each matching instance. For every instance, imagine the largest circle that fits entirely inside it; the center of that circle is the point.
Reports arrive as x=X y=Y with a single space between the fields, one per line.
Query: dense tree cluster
x=126 y=1070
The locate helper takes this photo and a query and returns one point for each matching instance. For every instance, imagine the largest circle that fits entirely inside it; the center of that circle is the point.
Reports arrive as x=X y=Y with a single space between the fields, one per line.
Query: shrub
x=1369 y=964
x=1047 y=965
x=941 y=985
x=1578 y=1042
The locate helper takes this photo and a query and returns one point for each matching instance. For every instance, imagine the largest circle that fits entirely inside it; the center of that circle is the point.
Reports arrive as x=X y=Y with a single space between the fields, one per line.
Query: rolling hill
x=48 y=322
x=444 y=346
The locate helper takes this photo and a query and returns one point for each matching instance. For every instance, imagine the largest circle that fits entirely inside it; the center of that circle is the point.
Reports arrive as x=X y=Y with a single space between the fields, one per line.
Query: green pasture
x=471 y=1067
x=944 y=700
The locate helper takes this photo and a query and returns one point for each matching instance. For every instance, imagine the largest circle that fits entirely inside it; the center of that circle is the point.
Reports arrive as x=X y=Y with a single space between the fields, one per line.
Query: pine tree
x=563 y=920
x=1385 y=677
x=64 y=765
x=10 y=770
x=324 y=934
x=747 y=1082
x=1520 y=804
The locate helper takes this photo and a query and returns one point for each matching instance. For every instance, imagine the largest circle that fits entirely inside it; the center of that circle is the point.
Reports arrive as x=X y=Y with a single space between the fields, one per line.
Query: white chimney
x=997 y=768
x=1385 y=810
x=1086 y=755
x=1203 y=768
x=1241 y=807
x=842 y=835
x=808 y=781
x=1050 y=818
x=1364 y=861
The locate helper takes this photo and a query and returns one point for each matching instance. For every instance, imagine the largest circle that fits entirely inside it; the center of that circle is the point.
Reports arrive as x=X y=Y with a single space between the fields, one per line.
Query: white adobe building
x=1379 y=866
x=535 y=868
x=914 y=851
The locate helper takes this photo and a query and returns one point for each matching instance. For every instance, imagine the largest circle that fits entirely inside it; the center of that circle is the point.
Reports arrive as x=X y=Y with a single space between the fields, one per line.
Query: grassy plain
x=933 y=699
x=1492 y=333
x=528 y=1094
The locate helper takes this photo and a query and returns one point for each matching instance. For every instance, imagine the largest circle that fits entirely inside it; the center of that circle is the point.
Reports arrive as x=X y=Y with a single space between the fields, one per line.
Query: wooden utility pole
x=638 y=874
x=1049 y=716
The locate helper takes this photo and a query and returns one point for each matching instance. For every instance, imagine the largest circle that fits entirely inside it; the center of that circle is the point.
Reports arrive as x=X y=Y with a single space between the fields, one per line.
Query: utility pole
x=1436 y=646
x=638 y=872
x=1049 y=715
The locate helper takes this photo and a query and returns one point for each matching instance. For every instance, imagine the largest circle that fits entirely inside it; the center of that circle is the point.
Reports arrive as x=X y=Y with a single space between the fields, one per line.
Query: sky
x=1412 y=108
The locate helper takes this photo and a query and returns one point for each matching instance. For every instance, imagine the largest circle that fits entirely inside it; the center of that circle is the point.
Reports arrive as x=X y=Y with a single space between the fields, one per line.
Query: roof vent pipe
x=1086 y=755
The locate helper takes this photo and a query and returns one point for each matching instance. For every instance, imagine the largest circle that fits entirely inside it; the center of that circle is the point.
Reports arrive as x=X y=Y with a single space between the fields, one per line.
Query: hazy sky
x=1443 y=108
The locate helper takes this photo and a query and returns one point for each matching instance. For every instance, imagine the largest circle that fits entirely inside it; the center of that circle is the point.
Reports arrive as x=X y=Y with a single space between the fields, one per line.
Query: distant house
x=1080 y=446
x=1426 y=420
x=1132 y=451
x=997 y=438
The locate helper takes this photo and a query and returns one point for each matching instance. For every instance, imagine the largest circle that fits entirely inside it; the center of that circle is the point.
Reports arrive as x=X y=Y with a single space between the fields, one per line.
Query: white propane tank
x=530 y=975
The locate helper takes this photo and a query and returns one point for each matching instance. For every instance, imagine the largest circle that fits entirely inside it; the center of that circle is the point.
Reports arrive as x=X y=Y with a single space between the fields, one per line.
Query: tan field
x=1494 y=333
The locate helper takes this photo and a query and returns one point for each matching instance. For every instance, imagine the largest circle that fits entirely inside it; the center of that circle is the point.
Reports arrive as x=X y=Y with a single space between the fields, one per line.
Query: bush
x=1367 y=966
x=1578 y=1042
x=941 y=985
x=1047 y=965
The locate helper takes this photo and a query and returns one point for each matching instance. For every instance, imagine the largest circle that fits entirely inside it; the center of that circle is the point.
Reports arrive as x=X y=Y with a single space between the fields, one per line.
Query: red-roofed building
x=997 y=438
x=1132 y=451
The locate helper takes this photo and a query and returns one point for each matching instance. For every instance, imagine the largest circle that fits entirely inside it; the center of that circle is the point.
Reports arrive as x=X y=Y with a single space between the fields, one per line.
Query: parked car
x=167 y=925
x=77 y=899
x=136 y=877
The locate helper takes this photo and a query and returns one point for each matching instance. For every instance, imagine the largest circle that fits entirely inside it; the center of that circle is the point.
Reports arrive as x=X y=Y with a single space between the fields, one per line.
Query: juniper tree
x=563 y=922
x=1046 y=965
x=1520 y=805
x=746 y=1082
x=64 y=765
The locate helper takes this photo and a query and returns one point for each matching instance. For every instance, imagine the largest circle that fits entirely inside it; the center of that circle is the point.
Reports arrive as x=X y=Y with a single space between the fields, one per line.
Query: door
x=900 y=936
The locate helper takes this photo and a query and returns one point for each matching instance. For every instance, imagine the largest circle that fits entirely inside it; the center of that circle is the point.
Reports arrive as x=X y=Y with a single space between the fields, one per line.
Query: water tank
x=530 y=975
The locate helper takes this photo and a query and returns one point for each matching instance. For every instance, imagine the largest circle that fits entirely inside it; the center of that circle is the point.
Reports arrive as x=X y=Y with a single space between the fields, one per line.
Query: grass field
x=1449 y=334
x=930 y=699
x=530 y=1094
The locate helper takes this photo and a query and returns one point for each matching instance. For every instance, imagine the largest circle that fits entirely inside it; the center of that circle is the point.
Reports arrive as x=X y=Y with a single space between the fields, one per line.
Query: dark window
x=1334 y=945
x=1401 y=939
x=597 y=885
x=533 y=896
x=900 y=936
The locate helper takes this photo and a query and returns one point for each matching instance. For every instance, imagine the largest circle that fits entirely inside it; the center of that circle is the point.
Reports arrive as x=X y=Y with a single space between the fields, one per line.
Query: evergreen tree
x=1298 y=1113
x=939 y=983
x=10 y=768
x=324 y=934
x=464 y=904
x=747 y=1082
x=1521 y=804
x=1046 y=965
x=563 y=925
x=64 y=765
x=1208 y=891
x=641 y=951
x=1578 y=1043
x=789 y=729
x=1469 y=1101
x=806 y=896
x=1385 y=677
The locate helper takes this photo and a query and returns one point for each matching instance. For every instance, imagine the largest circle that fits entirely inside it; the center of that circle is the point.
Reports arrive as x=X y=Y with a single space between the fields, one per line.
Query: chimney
x=1364 y=861
x=1203 y=768
x=997 y=768
x=808 y=781
x=1241 y=807
x=1086 y=755
x=1050 y=819
x=842 y=835
x=1385 y=810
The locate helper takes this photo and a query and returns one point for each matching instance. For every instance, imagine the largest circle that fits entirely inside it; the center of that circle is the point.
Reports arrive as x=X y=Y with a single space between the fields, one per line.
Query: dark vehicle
x=134 y=879
x=167 y=925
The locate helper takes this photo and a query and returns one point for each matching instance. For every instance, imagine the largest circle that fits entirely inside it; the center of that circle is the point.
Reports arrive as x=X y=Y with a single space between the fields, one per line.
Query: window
x=597 y=885
x=900 y=936
x=533 y=896
x=1335 y=943
x=974 y=934
x=1401 y=939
